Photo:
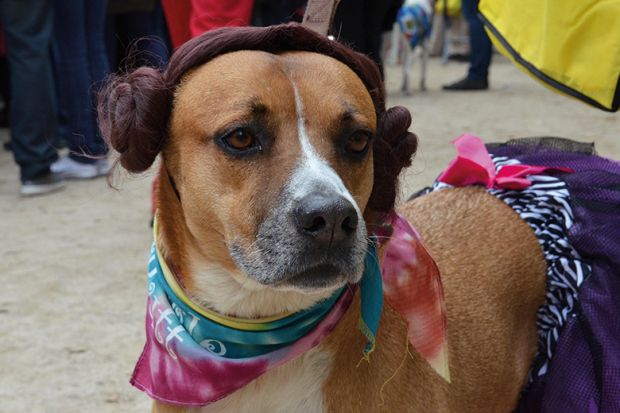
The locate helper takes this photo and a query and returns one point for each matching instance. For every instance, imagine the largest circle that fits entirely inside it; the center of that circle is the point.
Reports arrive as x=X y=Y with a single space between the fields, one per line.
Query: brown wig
x=134 y=109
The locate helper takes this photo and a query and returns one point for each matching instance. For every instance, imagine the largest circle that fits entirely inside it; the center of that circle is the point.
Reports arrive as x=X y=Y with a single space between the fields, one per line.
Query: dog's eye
x=358 y=142
x=240 y=140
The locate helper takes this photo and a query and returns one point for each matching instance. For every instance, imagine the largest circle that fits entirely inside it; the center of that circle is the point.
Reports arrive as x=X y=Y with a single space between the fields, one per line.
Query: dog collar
x=194 y=356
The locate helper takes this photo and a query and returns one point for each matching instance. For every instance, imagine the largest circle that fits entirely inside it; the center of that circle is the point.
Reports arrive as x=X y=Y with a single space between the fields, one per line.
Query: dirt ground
x=72 y=293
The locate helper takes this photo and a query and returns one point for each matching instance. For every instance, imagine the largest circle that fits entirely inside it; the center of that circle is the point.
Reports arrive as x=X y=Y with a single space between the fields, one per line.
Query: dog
x=413 y=29
x=278 y=162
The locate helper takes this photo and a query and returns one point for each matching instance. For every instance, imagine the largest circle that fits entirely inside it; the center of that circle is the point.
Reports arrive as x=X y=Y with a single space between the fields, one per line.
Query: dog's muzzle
x=311 y=243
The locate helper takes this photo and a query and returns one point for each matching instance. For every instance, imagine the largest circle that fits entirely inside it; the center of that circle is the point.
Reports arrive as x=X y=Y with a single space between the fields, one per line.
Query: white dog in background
x=411 y=34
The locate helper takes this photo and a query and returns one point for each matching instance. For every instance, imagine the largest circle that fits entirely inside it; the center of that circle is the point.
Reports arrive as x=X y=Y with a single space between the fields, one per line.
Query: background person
x=81 y=65
x=28 y=33
x=360 y=24
x=136 y=35
x=480 y=52
x=190 y=18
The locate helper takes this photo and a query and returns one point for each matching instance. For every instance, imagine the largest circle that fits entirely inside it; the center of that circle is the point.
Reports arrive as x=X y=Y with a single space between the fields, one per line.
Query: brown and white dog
x=272 y=170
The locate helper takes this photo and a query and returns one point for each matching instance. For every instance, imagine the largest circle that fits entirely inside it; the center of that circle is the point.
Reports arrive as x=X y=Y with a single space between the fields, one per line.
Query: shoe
x=44 y=184
x=468 y=84
x=459 y=57
x=103 y=167
x=69 y=168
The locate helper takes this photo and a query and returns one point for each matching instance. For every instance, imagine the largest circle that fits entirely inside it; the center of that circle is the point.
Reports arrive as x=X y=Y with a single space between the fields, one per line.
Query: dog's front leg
x=407 y=62
x=424 y=60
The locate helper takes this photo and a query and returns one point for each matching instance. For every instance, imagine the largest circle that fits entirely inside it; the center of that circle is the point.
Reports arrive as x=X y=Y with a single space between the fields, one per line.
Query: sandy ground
x=73 y=264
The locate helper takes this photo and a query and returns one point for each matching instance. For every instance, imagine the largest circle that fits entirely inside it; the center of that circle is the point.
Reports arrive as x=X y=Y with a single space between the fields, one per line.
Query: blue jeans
x=28 y=28
x=480 y=44
x=137 y=38
x=81 y=66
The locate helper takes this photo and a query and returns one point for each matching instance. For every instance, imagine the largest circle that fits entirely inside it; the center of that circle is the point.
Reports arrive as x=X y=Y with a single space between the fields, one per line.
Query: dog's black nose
x=328 y=218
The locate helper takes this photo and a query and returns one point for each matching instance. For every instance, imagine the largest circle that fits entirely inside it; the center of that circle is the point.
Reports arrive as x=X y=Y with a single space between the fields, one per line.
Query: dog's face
x=272 y=156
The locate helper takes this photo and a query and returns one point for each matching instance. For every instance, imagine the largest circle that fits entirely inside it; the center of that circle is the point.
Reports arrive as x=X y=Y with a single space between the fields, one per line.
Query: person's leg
x=360 y=24
x=28 y=28
x=73 y=76
x=379 y=17
x=480 y=44
x=5 y=93
x=98 y=65
x=145 y=31
x=480 y=52
x=348 y=26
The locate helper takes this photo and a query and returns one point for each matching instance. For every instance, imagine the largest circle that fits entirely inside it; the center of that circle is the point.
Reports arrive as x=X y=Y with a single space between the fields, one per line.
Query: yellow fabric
x=574 y=42
x=453 y=6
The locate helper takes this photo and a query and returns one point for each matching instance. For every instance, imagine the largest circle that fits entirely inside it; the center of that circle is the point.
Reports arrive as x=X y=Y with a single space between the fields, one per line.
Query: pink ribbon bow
x=473 y=165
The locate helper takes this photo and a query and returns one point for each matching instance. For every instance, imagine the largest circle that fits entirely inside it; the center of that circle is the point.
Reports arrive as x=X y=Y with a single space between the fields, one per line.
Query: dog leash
x=319 y=15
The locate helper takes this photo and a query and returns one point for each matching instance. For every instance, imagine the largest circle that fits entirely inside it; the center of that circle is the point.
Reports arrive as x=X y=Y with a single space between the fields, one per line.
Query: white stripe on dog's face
x=283 y=249
x=314 y=172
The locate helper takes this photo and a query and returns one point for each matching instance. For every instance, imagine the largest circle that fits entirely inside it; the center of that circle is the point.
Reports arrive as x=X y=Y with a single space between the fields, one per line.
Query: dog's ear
x=393 y=150
x=133 y=116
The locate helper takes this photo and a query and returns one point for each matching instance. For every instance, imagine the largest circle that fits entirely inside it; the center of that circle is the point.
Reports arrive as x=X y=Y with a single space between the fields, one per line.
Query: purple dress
x=576 y=218
x=584 y=372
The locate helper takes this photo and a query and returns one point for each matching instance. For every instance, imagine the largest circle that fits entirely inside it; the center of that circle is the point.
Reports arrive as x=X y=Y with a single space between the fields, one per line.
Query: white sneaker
x=103 y=167
x=71 y=169
x=42 y=185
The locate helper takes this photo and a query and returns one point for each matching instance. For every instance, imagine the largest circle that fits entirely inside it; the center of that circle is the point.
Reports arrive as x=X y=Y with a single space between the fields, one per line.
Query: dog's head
x=277 y=145
x=275 y=152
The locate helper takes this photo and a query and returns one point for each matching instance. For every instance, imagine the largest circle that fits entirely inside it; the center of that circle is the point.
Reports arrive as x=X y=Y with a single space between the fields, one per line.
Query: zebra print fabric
x=545 y=207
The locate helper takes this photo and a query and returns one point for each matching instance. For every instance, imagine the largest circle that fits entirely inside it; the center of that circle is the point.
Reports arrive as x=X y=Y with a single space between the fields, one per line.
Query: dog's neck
x=230 y=293
x=210 y=284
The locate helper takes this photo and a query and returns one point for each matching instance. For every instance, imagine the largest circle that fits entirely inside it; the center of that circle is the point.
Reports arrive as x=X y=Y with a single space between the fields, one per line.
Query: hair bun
x=404 y=144
x=393 y=151
x=133 y=116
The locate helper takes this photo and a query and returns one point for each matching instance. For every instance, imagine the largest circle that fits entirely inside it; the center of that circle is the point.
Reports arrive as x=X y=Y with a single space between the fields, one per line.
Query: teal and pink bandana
x=194 y=357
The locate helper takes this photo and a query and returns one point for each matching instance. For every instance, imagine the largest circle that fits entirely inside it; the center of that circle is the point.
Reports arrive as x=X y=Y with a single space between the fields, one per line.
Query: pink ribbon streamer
x=412 y=287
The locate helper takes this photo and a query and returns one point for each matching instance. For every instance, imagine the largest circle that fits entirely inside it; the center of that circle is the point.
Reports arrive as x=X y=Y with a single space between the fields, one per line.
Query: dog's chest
x=294 y=387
